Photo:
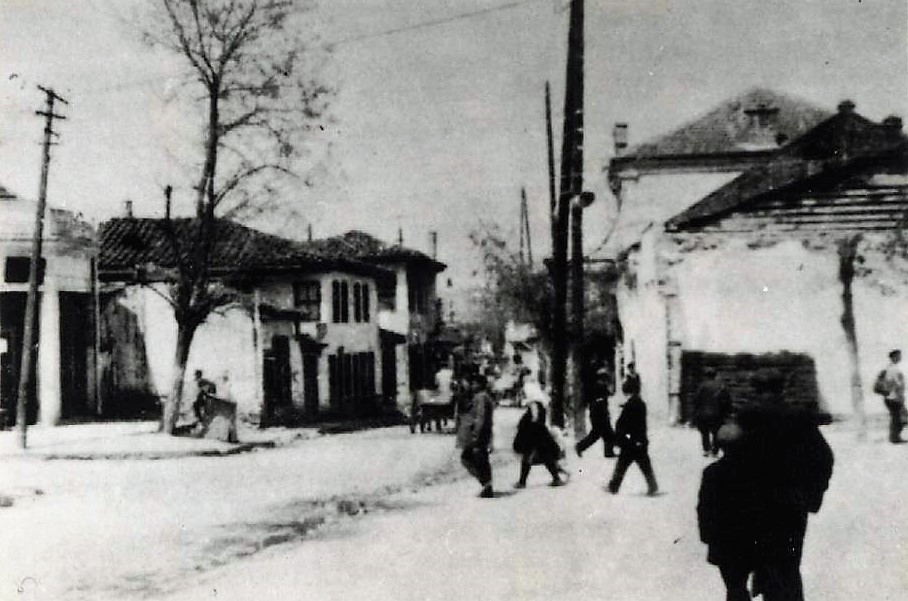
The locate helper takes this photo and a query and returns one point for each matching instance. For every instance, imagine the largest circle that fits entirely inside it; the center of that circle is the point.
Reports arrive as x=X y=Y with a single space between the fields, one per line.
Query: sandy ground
x=349 y=517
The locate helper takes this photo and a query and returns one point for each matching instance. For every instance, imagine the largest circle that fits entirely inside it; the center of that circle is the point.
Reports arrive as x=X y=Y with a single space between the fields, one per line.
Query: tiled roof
x=130 y=242
x=842 y=142
x=732 y=127
x=366 y=247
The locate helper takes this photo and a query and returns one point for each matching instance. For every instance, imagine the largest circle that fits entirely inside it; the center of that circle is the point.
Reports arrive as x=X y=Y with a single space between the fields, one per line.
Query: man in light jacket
x=474 y=434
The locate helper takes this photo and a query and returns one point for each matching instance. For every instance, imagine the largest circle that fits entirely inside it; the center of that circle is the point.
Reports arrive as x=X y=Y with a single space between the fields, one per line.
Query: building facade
x=751 y=268
x=65 y=377
x=301 y=341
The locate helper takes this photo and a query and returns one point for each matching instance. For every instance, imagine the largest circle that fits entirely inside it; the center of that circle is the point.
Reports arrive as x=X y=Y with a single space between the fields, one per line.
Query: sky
x=435 y=127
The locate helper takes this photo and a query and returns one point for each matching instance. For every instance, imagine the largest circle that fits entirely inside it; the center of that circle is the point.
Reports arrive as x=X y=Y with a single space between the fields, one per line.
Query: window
x=357 y=302
x=345 y=302
x=361 y=303
x=307 y=298
x=17 y=269
x=419 y=294
x=340 y=301
x=335 y=302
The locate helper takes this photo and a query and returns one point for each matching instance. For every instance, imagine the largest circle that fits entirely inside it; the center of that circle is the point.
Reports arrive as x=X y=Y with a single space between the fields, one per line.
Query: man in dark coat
x=204 y=388
x=753 y=508
x=600 y=422
x=712 y=406
x=631 y=433
x=631 y=383
x=474 y=434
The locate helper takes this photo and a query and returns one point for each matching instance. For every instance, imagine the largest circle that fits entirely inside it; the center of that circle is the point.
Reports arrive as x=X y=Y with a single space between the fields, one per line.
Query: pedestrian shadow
x=500 y=494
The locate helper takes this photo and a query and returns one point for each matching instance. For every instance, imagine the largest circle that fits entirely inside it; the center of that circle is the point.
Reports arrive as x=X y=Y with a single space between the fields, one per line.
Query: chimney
x=127 y=206
x=400 y=236
x=433 y=243
x=619 y=135
x=309 y=232
x=846 y=106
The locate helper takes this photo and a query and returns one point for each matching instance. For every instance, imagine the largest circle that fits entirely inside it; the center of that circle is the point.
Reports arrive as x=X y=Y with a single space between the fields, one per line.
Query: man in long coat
x=474 y=434
x=630 y=430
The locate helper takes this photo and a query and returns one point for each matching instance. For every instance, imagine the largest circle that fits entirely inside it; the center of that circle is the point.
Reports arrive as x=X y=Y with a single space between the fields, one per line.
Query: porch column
x=48 y=372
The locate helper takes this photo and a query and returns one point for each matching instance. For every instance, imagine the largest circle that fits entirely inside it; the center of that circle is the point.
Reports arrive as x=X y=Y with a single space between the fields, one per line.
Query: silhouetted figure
x=712 y=406
x=600 y=421
x=204 y=388
x=474 y=433
x=631 y=383
x=536 y=445
x=891 y=385
x=754 y=502
x=633 y=442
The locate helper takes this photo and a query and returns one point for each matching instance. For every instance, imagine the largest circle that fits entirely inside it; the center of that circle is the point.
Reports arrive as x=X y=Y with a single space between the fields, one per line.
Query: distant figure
x=444 y=379
x=754 y=502
x=633 y=442
x=600 y=421
x=890 y=385
x=631 y=385
x=535 y=444
x=712 y=406
x=474 y=433
x=203 y=389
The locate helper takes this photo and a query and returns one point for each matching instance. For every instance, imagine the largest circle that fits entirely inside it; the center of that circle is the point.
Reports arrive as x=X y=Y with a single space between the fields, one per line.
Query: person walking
x=600 y=421
x=712 y=406
x=753 y=508
x=631 y=384
x=474 y=433
x=535 y=444
x=728 y=512
x=633 y=443
x=891 y=385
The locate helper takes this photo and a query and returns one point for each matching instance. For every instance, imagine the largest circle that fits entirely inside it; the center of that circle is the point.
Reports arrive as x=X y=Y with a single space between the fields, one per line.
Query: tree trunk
x=847 y=251
x=171 y=412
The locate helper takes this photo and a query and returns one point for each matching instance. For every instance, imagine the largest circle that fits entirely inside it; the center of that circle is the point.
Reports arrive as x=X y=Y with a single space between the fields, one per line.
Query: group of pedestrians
x=772 y=471
x=536 y=444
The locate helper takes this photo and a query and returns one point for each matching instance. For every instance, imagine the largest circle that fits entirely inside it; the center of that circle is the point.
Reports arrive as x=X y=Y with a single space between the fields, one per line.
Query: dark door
x=276 y=374
x=310 y=384
x=12 y=319
x=75 y=338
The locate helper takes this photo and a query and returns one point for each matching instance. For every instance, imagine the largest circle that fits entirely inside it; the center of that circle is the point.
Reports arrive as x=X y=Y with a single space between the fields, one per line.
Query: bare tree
x=252 y=81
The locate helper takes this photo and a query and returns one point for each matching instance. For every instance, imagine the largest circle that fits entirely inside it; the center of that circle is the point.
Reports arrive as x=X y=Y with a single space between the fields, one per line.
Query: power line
x=345 y=41
x=433 y=22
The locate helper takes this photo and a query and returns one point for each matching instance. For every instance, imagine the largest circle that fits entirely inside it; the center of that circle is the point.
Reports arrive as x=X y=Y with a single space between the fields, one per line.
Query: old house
x=64 y=384
x=752 y=269
x=408 y=309
x=301 y=342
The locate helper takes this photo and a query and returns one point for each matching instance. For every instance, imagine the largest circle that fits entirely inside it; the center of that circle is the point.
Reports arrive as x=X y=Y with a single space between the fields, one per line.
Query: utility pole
x=525 y=228
x=571 y=186
x=26 y=368
x=551 y=155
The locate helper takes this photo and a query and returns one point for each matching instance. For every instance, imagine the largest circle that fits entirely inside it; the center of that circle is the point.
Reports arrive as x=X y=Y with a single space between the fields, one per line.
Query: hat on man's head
x=895 y=353
x=729 y=434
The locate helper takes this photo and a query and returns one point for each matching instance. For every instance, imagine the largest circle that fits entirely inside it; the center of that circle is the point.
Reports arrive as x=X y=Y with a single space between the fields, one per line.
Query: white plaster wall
x=657 y=198
x=735 y=299
x=223 y=344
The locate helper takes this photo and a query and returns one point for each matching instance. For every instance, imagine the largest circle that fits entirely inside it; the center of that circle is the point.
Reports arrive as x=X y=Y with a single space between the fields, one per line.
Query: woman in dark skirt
x=535 y=444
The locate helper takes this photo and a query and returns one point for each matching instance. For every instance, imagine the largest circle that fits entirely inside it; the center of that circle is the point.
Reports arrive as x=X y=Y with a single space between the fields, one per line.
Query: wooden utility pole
x=571 y=186
x=525 y=226
x=553 y=200
x=27 y=364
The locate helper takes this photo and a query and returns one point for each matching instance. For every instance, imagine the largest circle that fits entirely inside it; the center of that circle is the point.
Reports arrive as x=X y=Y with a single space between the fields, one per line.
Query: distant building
x=409 y=310
x=301 y=343
x=730 y=246
x=64 y=383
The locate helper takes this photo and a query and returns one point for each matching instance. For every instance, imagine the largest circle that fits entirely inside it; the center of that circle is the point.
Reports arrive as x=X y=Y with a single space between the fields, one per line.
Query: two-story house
x=408 y=314
x=301 y=342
